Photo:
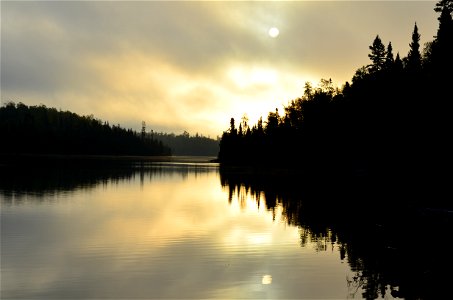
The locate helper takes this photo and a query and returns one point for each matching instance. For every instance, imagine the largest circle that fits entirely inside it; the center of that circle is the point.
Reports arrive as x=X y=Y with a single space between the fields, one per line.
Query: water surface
x=176 y=229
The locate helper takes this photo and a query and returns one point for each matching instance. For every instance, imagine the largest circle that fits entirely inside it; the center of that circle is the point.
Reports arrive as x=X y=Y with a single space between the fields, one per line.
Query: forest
x=41 y=130
x=392 y=122
x=187 y=144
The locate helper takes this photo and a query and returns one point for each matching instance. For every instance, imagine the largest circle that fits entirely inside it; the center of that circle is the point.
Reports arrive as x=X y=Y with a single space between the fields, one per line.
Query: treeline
x=42 y=130
x=393 y=120
x=186 y=144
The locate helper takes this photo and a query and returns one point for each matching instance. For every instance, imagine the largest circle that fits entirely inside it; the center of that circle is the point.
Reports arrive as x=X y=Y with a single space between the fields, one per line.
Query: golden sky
x=191 y=65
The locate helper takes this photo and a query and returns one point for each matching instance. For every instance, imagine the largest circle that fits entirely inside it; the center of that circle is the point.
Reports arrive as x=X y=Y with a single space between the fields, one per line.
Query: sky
x=191 y=65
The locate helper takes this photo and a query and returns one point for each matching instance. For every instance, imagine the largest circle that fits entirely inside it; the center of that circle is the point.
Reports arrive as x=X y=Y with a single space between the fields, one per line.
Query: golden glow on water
x=267 y=279
x=164 y=236
x=159 y=212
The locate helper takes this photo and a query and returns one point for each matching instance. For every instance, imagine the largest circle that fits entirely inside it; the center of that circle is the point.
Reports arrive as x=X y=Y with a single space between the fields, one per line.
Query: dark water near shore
x=187 y=228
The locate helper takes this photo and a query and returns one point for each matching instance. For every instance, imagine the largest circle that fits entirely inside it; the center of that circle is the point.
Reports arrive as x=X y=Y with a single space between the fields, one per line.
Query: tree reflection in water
x=51 y=175
x=393 y=246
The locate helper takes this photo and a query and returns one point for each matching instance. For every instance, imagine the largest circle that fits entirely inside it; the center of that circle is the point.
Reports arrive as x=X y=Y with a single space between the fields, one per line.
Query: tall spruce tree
x=442 y=48
x=414 y=61
x=377 y=55
x=389 y=60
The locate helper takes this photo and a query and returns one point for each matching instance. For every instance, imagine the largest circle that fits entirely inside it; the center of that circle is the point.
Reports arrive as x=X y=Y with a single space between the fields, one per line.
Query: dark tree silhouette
x=398 y=63
x=392 y=122
x=232 y=127
x=187 y=144
x=444 y=4
x=374 y=153
x=389 y=59
x=443 y=43
x=413 y=61
x=41 y=130
x=377 y=55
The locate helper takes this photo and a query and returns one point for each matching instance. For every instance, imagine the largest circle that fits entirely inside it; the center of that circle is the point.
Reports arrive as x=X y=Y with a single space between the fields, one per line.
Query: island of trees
x=393 y=121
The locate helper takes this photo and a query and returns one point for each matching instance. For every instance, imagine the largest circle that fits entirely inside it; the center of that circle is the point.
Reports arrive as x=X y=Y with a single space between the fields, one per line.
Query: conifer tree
x=439 y=58
x=389 y=60
x=377 y=55
x=444 y=4
x=414 y=62
x=233 y=130
x=398 y=63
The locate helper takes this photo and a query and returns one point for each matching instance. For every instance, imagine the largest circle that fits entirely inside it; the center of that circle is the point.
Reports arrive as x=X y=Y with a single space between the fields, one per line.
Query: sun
x=274 y=32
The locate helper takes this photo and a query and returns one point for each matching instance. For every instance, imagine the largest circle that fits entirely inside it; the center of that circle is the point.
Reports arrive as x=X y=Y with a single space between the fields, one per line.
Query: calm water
x=165 y=230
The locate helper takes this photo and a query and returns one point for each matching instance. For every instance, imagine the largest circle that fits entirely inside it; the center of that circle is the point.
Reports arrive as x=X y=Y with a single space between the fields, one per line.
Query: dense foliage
x=41 y=130
x=393 y=120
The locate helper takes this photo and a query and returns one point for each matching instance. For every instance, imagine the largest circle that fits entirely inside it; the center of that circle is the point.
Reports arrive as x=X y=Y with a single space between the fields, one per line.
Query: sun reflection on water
x=159 y=231
x=267 y=279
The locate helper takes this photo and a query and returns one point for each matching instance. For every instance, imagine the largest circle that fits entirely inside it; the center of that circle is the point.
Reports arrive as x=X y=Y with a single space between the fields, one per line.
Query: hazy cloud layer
x=190 y=65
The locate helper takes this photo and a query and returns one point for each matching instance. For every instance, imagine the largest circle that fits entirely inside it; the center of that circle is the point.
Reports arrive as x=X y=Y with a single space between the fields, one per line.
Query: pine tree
x=398 y=64
x=444 y=4
x=377 y=55
x=233 y=130
x=437 y=57
x=414 y=61
x=445 y=30
x=389 y=60
x=442 y=47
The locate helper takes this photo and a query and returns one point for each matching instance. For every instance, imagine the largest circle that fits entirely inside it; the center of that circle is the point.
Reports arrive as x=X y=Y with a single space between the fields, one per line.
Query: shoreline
x=30 y=158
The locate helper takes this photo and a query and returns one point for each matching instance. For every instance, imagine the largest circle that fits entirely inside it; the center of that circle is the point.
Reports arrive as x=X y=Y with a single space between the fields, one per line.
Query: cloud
x=189 y=65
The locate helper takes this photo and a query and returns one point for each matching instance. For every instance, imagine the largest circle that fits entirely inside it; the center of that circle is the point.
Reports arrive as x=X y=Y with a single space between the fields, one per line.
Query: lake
x=188 y=228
